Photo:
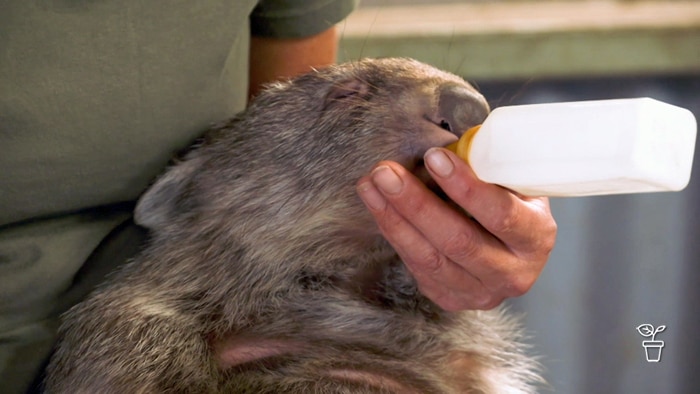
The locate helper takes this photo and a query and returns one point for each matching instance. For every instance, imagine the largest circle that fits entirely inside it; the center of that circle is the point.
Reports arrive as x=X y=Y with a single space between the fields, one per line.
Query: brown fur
x=266 y=274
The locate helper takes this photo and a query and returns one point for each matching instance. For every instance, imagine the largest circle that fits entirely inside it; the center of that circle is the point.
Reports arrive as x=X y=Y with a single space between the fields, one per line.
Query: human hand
x=459 y=262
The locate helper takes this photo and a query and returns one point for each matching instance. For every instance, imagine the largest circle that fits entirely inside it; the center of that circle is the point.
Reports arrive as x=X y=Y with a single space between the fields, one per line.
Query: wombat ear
x=164 y=200
x=349 y=88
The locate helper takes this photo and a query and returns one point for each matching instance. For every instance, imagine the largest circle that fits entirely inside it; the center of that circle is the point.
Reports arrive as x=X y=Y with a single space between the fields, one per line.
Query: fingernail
x=437 y=161
x=371 y=196
x=386 y=179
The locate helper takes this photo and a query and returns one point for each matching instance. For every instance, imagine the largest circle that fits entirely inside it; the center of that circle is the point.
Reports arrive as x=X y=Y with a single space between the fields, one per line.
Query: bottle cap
x=461 y=147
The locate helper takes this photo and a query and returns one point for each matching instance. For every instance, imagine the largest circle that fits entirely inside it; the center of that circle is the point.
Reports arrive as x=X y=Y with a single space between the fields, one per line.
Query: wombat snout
x=460 y=108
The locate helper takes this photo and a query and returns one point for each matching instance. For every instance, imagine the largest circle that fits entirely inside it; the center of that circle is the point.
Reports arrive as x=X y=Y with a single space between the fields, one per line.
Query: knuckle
x=550 y=236
x=495 y=302
x=544 y=241
x=410 y=198
x=546 y=246
x=462 y=246
x=505 y=220
x=448 y=304
x=432 y=260
x=390 y=219
x=517 y=285
x=440 y=297
x=519 y=288
x=477 y=300
x=416 y=206
x=484 y=300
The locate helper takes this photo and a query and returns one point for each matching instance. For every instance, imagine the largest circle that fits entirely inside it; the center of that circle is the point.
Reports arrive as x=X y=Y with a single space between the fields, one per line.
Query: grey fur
x=266 y=274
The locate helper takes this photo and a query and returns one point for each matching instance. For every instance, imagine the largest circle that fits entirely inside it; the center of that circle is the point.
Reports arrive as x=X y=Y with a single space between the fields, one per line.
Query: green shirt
x=95 y=98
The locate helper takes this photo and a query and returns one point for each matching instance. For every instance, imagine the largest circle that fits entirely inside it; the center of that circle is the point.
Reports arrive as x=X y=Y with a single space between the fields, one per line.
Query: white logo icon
x=652 y=348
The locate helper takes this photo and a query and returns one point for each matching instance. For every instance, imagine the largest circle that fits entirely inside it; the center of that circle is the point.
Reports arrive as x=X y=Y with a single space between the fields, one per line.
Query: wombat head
x=285 y=169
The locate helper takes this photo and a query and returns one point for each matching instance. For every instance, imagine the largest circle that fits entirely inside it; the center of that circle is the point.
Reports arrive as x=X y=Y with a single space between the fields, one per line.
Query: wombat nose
x=460 y=108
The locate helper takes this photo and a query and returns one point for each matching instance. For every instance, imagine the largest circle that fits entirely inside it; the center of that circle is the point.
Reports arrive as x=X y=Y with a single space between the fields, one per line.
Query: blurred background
x=620 y=261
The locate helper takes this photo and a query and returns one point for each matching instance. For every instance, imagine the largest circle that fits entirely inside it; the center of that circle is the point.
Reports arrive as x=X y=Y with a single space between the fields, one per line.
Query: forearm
x=274 y=58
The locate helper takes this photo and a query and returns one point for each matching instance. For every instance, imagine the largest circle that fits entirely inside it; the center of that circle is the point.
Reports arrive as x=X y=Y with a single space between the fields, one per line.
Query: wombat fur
x=264 y=272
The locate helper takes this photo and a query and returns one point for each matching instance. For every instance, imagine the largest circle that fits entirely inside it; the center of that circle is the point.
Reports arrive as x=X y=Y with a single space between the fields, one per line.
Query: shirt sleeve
x=297 y=18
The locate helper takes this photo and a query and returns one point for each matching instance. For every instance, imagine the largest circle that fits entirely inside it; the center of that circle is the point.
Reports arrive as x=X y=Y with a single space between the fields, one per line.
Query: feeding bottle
x=583 y=148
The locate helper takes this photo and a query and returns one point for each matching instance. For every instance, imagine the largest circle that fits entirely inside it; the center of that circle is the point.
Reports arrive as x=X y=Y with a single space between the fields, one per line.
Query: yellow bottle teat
x=461 y=147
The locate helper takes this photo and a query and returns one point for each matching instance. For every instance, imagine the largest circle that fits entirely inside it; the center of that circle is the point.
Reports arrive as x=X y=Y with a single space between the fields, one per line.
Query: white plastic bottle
x=583 y=148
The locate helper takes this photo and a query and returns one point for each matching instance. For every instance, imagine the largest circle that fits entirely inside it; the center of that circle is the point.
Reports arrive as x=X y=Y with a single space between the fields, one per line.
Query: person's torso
x=94 y=101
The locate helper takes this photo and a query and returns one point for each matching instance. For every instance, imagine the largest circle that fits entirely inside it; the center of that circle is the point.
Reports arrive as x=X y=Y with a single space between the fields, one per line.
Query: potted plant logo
x=652 y=348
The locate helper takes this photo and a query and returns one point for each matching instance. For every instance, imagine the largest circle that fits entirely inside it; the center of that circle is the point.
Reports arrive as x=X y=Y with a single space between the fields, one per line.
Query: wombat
x=265 y=273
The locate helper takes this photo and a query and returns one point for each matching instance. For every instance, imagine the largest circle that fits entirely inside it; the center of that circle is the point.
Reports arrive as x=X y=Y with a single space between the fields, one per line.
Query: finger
x=409 y=242
x=524 y=224
x=433 y=239
x=455 y=235
x=443 y=281
x=470 y=294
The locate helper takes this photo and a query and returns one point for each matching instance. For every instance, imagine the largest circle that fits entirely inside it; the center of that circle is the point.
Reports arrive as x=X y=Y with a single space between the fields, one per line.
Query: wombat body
x=265 y=273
